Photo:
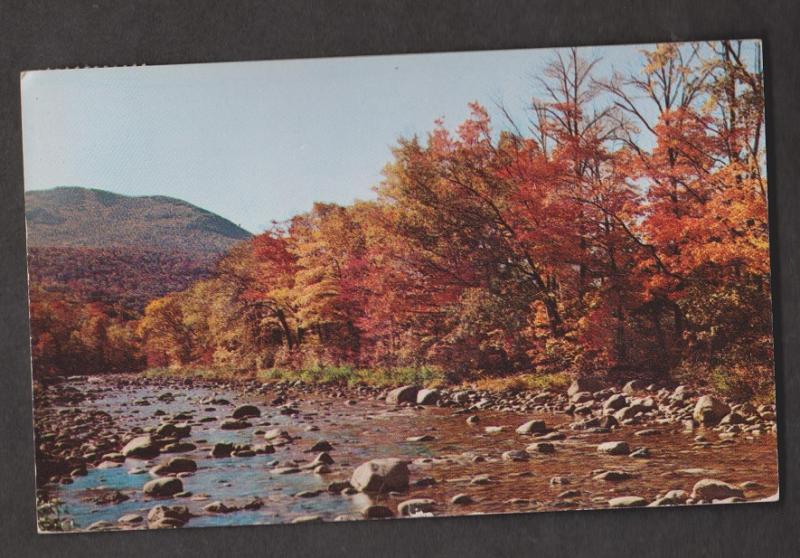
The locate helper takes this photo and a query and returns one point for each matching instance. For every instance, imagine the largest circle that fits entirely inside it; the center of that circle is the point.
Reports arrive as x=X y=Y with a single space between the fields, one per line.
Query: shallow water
x=371 y=429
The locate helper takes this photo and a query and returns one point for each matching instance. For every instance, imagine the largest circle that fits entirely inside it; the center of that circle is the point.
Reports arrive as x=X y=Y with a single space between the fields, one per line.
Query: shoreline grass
x=375 y=377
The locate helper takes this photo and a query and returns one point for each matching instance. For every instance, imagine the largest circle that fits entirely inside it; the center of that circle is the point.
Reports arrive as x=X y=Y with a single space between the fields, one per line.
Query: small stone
x=130 y=519
x=307 y=519
x=422 y=438
x=100 y=526
x=234 y=424
x=376 y=511
x=641 y=453
x=416 y=506
x=541 y=447
x=219 y=507
x=614 y=448
x=515 y=455
x=246 y=411
x=613 y=476
x=462 y=499
x=627 y=502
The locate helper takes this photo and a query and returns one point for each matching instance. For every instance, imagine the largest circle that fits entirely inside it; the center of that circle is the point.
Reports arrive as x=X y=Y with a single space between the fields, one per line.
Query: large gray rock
x=712 y=489
x=141 y=447
x=163 y=487
x=161 y=517
x=427 y=396
x=709 y=410
x=532 y=427
x=403 y=394
x=615 y=402
x=583 y=384
x=381 y=475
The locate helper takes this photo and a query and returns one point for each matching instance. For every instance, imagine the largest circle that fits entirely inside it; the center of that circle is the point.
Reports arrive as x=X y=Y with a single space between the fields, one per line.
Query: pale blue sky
x=257 y=141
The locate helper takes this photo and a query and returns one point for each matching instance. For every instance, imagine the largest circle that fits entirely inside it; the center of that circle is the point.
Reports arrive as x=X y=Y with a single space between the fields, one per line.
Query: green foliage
x=350 y=376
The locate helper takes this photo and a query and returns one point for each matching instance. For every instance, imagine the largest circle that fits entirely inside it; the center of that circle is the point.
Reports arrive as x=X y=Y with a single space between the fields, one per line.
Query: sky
x=261 y=141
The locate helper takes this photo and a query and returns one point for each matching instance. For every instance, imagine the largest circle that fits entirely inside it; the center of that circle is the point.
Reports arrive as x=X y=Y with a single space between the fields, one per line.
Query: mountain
x=87 y=245
x=87 y=218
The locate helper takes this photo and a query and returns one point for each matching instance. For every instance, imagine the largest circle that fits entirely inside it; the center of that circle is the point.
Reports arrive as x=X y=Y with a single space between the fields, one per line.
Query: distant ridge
x=76 y=217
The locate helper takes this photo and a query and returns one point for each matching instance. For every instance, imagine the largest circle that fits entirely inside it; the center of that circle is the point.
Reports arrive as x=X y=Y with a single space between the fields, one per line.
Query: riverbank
x=219 y=447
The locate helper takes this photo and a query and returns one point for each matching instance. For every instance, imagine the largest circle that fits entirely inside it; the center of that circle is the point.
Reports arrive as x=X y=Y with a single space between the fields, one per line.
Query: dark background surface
x=38 y=35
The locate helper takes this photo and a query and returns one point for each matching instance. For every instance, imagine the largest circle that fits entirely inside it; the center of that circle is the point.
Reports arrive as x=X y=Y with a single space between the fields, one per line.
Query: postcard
x=399 y=286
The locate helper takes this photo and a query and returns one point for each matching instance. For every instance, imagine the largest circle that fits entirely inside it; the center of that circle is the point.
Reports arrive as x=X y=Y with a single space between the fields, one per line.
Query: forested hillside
x=96 y=258
x=87 y=218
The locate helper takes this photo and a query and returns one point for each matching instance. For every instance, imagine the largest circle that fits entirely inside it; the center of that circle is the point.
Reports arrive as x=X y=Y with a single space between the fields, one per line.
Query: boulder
x=532 y=427
x=427 y=396
x=168 y=516
x=614 y=448
x=246 y=411
x=634 y=386
x=403 y=394
x=712 y=489
x=163 y=487
x=381 y=475
x=583 y=384
x=709 y=410
x=141 y=447
x=615 y=402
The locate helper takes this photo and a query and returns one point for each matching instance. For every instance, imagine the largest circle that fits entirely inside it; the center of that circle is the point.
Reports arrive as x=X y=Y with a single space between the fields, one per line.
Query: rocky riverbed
x=128 y=452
